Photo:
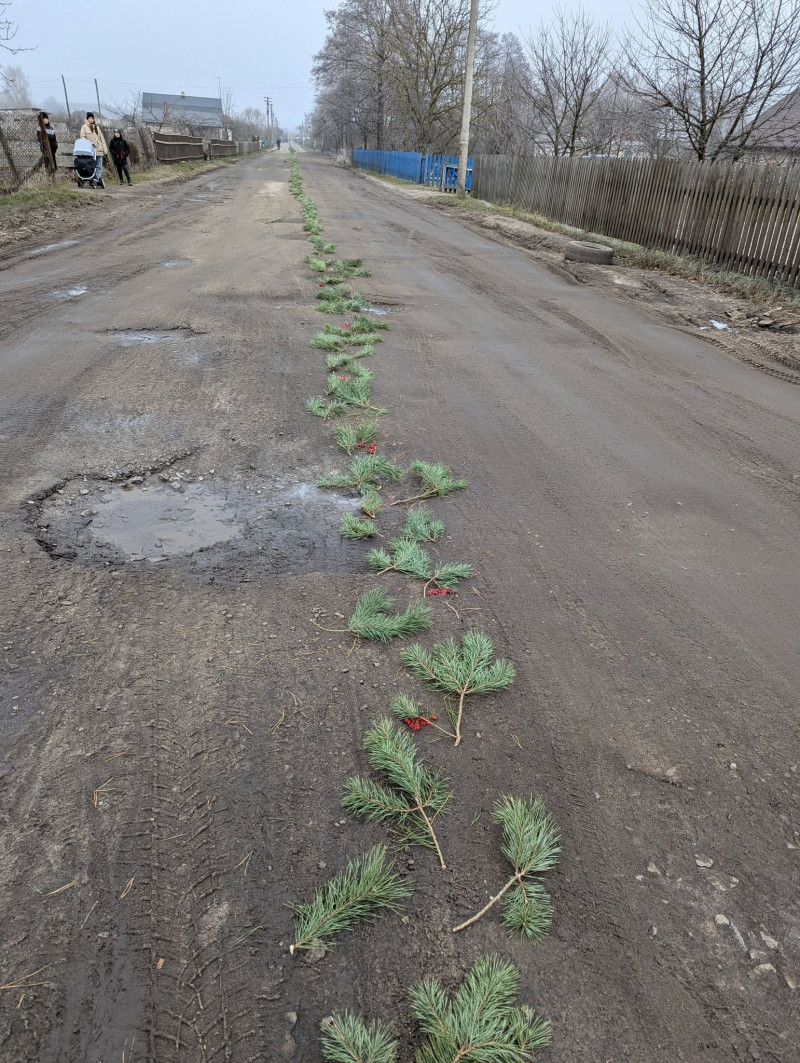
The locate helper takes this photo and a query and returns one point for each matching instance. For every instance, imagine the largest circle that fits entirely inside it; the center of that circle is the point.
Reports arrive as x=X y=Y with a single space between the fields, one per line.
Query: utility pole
x=463 y=144
x=66 y=100
x=268 y=104
x=99 y=108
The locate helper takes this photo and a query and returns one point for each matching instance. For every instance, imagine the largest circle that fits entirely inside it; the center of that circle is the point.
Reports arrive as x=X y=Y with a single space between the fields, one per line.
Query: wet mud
x=207 y=527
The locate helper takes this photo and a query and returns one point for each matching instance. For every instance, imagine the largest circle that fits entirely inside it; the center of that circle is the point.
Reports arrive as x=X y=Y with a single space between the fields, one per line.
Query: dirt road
x=175 y=732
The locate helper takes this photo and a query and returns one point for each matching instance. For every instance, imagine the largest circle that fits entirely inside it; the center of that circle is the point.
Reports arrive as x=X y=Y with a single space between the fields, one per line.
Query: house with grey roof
x=198 y=115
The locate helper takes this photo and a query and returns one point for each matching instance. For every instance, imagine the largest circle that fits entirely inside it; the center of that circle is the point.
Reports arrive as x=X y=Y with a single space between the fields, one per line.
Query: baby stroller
x=84 y=159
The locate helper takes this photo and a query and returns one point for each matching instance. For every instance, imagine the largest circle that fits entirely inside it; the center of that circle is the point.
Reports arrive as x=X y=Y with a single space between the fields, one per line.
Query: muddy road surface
x=175 y=731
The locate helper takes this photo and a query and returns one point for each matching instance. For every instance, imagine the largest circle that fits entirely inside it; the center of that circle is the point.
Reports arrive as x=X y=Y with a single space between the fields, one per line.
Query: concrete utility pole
x=268 y=104
x=466 y=112
x=66 y=100
x=99 y=108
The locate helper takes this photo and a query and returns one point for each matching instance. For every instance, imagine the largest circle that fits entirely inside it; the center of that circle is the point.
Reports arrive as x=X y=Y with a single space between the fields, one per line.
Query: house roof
x=202 y=110
x=779 y=127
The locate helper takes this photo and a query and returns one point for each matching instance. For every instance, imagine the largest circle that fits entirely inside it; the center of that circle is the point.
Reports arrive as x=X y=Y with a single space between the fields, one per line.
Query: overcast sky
x=257 y=48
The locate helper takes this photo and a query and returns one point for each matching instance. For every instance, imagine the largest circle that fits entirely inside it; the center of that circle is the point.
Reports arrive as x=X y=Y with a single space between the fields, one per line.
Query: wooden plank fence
x=175 y=147
x=220 y=148
x=736 y=216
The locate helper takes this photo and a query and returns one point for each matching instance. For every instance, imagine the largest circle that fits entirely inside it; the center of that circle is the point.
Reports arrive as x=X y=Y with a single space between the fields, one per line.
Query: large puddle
x=183 y=519
x=160 y=522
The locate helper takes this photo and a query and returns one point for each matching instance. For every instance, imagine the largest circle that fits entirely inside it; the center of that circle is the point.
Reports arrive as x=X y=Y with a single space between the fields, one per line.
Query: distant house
x=199 y=115
x=778 y=133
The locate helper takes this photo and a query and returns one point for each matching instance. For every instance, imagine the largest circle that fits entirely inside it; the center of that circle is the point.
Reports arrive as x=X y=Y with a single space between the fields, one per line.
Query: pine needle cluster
x=407 y=556
x=373 y=619
x=346 y=1038
x=531 y=846
x=312 y=223
x=355 y=527
x=422 y=526
x=326 y=410
x=460 y=671
x=354 y=392
x=321 y=245
x=435 y=479
x=319 y=265
x=367 y=886
x=411 y=795
x=351 y=436
x=365 y=469
x=371 y=502
x=481 y=1023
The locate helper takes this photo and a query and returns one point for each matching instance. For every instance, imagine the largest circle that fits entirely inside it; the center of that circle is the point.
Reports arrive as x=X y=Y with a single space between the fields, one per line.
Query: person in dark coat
x=51 y=137
x=119 y=151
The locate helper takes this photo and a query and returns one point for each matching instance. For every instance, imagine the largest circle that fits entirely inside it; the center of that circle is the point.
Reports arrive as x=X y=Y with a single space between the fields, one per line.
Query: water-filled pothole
x=131 y=337
x=160 y=522
x=221 y=530
x=51 y=247
x=70 y=293
x=182 y=341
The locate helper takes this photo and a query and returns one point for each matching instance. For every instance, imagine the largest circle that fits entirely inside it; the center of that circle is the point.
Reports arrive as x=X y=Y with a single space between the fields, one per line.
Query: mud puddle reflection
x=160 y=523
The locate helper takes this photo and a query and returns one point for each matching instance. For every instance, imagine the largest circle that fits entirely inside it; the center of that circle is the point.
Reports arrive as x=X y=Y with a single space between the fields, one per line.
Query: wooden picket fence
x=737 y=216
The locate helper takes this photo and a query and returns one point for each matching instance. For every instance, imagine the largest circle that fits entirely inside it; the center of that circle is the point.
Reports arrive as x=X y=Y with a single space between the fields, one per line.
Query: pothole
x=131 y=337
x=183 y=347
x=184 y=519
x=176 y=263
x=51 y=247
x=70 y=293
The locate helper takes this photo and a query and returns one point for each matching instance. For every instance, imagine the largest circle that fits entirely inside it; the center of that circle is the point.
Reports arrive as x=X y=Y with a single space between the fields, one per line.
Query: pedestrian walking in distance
x=119 y=151
x=279 y=143
x=91 y=131
x=51 y=138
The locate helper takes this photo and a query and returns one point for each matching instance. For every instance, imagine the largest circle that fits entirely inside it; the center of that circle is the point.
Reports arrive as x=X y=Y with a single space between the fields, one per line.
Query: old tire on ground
x=583 y=251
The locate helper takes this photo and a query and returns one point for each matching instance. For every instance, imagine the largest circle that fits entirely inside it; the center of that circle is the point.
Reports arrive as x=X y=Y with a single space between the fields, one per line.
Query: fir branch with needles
x=326 y=409
x=327 y=341
x=365 y=469
x=411 y=795
x=460 y=670
x=357 y=392
x=366 y=887
x=371 y=501
x=482 y=1022
x=531 y=845
x=344 y=362
x=346 y=1038
x=373 y=619
x=319 y=265
x=321 y=245
x=355 y=527
x=435 y=480
x=407 y=556
x=422 y=526
x=351 y=436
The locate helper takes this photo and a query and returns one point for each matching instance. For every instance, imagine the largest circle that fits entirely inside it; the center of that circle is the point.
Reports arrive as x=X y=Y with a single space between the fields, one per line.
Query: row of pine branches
x=481 y=1022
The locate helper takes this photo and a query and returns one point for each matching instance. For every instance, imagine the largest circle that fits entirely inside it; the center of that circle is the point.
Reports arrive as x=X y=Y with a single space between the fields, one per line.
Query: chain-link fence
x=21 y=150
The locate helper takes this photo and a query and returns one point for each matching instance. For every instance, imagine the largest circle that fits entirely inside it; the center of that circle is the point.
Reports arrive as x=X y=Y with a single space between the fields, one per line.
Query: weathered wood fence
x=220 y=148
x=737 y=216
x=175 y=147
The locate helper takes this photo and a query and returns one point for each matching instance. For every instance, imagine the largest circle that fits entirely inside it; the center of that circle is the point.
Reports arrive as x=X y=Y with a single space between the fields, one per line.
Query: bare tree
x=15 y=89
x=718 y=66
x=570 y=62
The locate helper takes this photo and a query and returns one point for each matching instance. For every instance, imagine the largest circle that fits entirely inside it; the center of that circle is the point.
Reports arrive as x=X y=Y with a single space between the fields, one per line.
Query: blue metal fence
x=441 y=171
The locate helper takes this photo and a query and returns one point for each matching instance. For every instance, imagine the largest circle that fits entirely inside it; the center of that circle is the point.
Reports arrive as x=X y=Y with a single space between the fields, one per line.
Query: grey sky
x=257 y=49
